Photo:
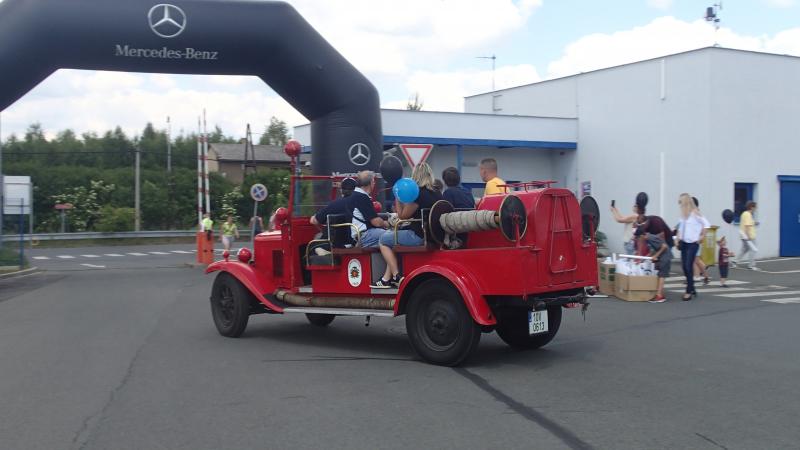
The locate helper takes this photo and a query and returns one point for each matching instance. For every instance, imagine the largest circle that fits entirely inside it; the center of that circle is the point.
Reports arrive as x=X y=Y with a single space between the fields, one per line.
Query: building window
x=742 y=193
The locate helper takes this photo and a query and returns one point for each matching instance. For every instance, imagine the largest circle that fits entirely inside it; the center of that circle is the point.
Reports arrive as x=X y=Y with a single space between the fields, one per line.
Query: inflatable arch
x=268 y=39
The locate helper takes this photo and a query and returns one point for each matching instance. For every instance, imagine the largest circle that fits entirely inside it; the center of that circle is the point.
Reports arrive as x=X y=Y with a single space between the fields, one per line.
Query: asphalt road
x=128 y=357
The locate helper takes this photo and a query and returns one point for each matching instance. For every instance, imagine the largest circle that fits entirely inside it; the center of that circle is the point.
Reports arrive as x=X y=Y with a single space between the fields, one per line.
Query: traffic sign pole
x=259 y=193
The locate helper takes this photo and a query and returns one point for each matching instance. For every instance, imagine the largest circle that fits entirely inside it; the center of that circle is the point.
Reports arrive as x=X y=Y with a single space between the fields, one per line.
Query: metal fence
x=97 y=235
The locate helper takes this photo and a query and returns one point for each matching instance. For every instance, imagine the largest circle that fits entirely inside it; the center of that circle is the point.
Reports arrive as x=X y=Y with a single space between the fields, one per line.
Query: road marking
x=778 y=272
x=759 y=294
x=90 y=256
x=92 y=266
x=158 y=253
x=113 y=254
x=718 y=289
x=776 y=260
x=730 y=282
x=41 y=257
x=783 y=300
x=182 y=252
x=66 y=257
x=137 y=254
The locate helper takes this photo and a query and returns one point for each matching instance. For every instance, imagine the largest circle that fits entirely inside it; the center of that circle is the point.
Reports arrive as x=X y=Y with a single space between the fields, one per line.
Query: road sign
x=258 y=192
x=62 y=206
x=17 y=195
x=416 y=153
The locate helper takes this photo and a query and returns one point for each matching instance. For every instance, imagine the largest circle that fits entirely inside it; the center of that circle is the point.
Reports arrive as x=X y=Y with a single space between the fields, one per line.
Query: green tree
x=415 y=103
x=276 y=133
x=86 y=204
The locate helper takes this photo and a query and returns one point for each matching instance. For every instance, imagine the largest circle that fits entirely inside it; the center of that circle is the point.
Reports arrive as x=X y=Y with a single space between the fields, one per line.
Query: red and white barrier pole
x=199 y=173
x=207 y=187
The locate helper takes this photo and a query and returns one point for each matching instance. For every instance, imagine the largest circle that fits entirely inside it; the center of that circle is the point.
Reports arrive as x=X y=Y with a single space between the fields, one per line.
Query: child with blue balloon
x=413 y=195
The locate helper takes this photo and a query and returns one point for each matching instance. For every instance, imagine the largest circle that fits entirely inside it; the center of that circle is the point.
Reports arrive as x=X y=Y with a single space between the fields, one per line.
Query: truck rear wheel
x=439 y=326
x=230 y=305
x=512 y=327
x=320 y=320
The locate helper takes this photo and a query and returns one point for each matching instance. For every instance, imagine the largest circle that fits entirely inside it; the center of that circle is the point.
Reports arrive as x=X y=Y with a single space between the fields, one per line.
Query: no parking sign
x=258 y=192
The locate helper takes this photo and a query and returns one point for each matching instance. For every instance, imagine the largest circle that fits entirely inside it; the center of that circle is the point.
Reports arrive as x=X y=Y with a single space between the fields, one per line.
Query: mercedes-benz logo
x=167 y=21
x=359 y=154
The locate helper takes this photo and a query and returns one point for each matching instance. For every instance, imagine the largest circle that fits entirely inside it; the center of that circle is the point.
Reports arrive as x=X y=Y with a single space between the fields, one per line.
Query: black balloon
x=391 y=169
x=642 y=199
x=267 y=39
x=727 y=216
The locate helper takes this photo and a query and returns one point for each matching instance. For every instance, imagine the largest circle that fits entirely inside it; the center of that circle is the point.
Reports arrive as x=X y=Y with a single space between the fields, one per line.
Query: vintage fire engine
x=530 y=253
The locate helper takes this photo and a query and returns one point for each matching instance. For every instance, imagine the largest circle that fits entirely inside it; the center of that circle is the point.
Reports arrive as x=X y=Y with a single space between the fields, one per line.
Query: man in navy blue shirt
x=457 y=195
x=365 y=218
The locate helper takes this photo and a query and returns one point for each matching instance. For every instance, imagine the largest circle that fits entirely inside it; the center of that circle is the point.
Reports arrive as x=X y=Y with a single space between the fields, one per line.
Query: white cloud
x=662 y=36
x=660 y=4
x=391 y=37
x=99 y=101
x=780 y=3
x=445 y=91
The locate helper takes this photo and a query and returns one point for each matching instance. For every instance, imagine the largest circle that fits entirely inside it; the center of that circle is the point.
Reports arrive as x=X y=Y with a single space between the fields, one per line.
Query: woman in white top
x=629 y=220
x=691 y=232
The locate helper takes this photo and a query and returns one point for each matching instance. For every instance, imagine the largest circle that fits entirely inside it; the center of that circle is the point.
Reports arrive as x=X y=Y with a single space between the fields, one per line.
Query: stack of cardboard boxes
x=632 y=288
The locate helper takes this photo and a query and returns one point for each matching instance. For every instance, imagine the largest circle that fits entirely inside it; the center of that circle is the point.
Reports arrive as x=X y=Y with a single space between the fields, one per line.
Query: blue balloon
x=406 y=190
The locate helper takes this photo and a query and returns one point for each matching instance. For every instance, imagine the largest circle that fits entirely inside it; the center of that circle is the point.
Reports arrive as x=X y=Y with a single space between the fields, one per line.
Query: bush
x=116 y=219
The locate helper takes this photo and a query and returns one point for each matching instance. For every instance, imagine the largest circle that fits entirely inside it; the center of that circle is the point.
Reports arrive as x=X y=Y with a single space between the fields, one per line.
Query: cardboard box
x=636 y=288
x=605 y=276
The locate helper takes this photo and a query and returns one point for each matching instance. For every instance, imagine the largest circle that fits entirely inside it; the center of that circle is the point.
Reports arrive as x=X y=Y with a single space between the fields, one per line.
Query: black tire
x=439 y=326
x=512 y=327
x=230 y=305
x=320 y=320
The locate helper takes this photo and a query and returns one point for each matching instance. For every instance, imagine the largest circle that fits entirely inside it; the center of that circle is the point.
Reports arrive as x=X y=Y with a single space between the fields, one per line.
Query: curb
x=19 y=273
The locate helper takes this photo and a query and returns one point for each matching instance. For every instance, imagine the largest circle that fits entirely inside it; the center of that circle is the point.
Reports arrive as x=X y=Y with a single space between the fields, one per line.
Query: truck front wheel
x=512 y=327
x=230 y=305
x=439 y=326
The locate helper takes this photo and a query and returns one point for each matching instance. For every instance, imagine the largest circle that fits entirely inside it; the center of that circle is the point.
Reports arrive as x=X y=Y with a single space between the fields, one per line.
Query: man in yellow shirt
x=747 y=231
x=488 y=170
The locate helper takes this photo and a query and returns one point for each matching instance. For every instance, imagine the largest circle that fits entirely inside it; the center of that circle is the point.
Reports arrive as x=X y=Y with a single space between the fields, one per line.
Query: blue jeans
x=688 y=255
x=406 y=238
x=371 y=236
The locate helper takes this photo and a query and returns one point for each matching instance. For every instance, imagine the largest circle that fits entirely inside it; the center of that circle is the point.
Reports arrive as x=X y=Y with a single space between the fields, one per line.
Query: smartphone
x=613 y=202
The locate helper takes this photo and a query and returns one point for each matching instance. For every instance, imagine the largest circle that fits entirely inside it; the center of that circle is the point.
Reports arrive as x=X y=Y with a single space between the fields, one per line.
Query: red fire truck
x=529 y=255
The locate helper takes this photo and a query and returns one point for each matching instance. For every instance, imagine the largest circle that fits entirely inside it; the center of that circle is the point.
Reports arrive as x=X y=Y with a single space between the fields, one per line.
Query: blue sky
x=418 y=46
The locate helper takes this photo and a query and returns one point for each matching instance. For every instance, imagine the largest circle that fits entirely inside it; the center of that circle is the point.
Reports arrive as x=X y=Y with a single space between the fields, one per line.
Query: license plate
x=537 y=322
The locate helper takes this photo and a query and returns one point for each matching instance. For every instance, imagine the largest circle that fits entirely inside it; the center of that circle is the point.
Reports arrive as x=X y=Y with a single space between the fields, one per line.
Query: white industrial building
x=720 y=124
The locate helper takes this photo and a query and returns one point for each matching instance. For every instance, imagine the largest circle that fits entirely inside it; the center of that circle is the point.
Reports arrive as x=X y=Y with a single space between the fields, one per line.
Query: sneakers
x=755 y=269
x=658 y=299
x=382 y=284
x=393 y=282
x=723 y=285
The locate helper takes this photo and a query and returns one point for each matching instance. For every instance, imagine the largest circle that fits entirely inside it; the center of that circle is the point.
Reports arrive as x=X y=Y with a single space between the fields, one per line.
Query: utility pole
x=137 y=211
x=169 y=146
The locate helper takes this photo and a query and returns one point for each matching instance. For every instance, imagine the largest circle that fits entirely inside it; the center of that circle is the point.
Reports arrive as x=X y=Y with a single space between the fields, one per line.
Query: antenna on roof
x=712 y=16
x=494 y=60
x=249 y=152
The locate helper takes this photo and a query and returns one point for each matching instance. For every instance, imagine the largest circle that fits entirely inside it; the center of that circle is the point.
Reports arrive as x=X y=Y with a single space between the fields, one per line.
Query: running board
x=340 y=311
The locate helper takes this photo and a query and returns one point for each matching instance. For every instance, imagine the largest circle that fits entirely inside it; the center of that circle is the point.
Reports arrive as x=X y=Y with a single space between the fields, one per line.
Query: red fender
x=467 y=286
x=247 y=275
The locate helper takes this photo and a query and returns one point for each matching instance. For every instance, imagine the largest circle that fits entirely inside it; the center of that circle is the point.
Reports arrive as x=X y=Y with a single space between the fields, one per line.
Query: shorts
x=227 y=240
x=371 y=237
x=664 y=263
x=405 y=238
x=723 y=270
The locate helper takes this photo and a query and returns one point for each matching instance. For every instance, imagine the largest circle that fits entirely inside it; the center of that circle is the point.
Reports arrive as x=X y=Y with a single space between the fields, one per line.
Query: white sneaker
x=321 y=251
x=757 y=269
